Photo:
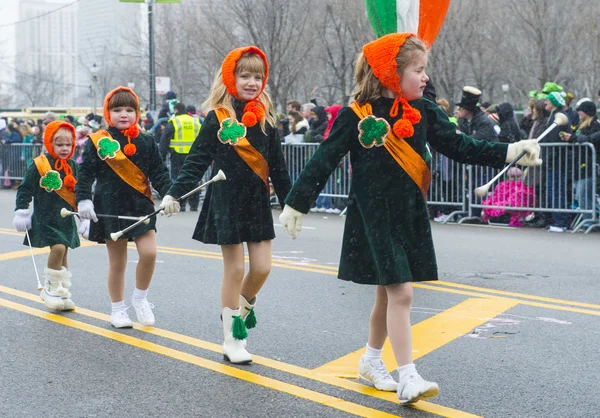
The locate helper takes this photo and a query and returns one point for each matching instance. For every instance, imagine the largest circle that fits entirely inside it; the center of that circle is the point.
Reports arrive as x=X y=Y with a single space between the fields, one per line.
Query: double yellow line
x=311 y=395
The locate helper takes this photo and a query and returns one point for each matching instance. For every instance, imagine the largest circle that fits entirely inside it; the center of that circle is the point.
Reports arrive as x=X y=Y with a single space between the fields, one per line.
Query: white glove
x=169 y=205
x=291 y=220
x=532 y=149
x=22 y=220
x=86 y=210
x=83 y=228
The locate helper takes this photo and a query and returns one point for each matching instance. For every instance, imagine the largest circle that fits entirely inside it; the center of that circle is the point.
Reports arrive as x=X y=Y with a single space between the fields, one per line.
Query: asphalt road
x=510 y=330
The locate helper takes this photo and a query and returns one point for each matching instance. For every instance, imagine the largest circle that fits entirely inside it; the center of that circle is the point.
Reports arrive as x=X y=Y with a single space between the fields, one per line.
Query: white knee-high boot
x=247 y=312
x=234 y=331
x=53 y=292
x=66 y=283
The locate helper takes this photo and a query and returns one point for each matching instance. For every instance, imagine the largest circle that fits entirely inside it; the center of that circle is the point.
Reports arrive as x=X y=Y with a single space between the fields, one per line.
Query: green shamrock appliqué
x=231 y=131
x=108 y=148
x=51 y=181
x=373 y=131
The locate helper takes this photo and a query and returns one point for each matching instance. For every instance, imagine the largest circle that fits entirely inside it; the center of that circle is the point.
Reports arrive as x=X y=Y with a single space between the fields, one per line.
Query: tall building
x=46 y=52
x=110 y=34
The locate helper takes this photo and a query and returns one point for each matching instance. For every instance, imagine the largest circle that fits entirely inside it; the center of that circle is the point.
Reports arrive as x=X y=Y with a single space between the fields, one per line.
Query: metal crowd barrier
x=554 y=184
x=557 y=186
x=14 y=160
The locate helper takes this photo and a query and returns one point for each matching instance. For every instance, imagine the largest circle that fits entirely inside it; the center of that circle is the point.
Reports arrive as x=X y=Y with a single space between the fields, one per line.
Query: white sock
x=373 y=353
x=404 y=371
x=118 y=306
x=140 y=294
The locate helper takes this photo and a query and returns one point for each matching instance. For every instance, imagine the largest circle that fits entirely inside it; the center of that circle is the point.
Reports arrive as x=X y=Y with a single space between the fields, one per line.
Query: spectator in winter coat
x=588 y=131
x=472 y=121
x=332 y=112
x=539 y=116
x=556 y=160
x=508 y=131
x=168 y=107
x=316 y=133
x=298 y=127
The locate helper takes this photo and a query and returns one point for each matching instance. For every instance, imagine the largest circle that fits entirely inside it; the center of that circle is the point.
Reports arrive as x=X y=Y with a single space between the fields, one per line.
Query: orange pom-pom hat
x=59 y=163
x=133 y=131
x=381 y=55
x=254 y=111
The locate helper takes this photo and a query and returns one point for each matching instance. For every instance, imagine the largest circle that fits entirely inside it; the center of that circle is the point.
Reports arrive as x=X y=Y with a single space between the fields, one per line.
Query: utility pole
x=151 y=54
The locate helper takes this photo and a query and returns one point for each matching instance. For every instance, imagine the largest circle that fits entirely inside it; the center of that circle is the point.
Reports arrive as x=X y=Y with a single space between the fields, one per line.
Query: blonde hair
x=62 y=133
x=220 y=97
x=443 y=103
x=368 y=87
x=587 y=122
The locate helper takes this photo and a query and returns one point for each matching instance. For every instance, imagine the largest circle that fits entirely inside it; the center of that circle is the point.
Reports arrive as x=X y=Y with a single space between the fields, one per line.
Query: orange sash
x=403 y=153
x=121 y=165
x=43 y=167
x=247 y=152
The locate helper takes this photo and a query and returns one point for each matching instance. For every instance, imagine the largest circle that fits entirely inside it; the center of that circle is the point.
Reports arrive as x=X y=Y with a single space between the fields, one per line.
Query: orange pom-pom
x=70 y=182
x=403 y=128
x=412 y=115
x=257 y=109
x=129 y=149
x=249 y=119
x=132 y=132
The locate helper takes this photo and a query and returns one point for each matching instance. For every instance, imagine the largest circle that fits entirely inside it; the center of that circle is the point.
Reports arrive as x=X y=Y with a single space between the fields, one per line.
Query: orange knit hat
x=131 y=132
x=59 y=163
x=381 y=56
x=254 y=111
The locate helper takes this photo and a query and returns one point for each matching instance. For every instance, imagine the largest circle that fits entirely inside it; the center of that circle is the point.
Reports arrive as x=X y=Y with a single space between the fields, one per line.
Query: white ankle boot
x=53 y=292
x=66 y=283
x=234 y=331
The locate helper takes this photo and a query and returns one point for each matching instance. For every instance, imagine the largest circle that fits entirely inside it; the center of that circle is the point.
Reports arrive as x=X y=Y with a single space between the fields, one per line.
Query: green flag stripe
x=382 y=15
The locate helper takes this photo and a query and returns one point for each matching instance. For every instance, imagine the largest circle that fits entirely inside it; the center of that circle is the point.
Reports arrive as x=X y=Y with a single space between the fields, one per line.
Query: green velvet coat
x=238 y=209
x=47 y=226
x=387 y=236
x=112 y=196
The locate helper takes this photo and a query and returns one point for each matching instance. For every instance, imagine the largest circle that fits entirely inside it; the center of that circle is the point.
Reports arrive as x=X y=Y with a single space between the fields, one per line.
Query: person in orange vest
x=176 y=140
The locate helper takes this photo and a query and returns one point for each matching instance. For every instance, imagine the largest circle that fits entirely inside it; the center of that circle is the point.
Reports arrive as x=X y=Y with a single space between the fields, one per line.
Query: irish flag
x=423 y=17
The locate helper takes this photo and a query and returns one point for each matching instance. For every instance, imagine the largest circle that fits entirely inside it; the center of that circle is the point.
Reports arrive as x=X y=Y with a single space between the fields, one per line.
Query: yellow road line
x=521 y=302
x=267 y=362
x=428 y=335
x=224 y=369
x=519 y=295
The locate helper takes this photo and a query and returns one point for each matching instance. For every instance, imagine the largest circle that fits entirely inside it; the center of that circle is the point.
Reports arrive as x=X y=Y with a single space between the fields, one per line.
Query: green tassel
x=251 y=319
x=238 y=328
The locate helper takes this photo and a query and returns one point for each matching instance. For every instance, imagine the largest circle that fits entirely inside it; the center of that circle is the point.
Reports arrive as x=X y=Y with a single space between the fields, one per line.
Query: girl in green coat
x=240 y=136
x=50 y=182
x=387 y=238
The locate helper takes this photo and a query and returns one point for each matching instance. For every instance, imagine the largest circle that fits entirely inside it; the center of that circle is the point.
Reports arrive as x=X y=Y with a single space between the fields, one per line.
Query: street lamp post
x=505 y=90
x=94 y=70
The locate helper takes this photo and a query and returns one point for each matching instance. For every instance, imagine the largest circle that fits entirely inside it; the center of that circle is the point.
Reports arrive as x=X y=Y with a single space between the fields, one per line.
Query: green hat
x=551 y=87
x=556 y=99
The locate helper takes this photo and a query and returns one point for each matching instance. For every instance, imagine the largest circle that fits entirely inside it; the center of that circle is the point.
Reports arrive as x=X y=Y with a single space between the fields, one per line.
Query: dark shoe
x=537 y=222
x=194 y=208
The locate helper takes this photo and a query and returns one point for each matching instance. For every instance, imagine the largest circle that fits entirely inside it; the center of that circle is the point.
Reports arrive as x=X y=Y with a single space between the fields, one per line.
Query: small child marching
x=241 y=137
x=387 y=238
x=123 y=162
x=50 y=182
